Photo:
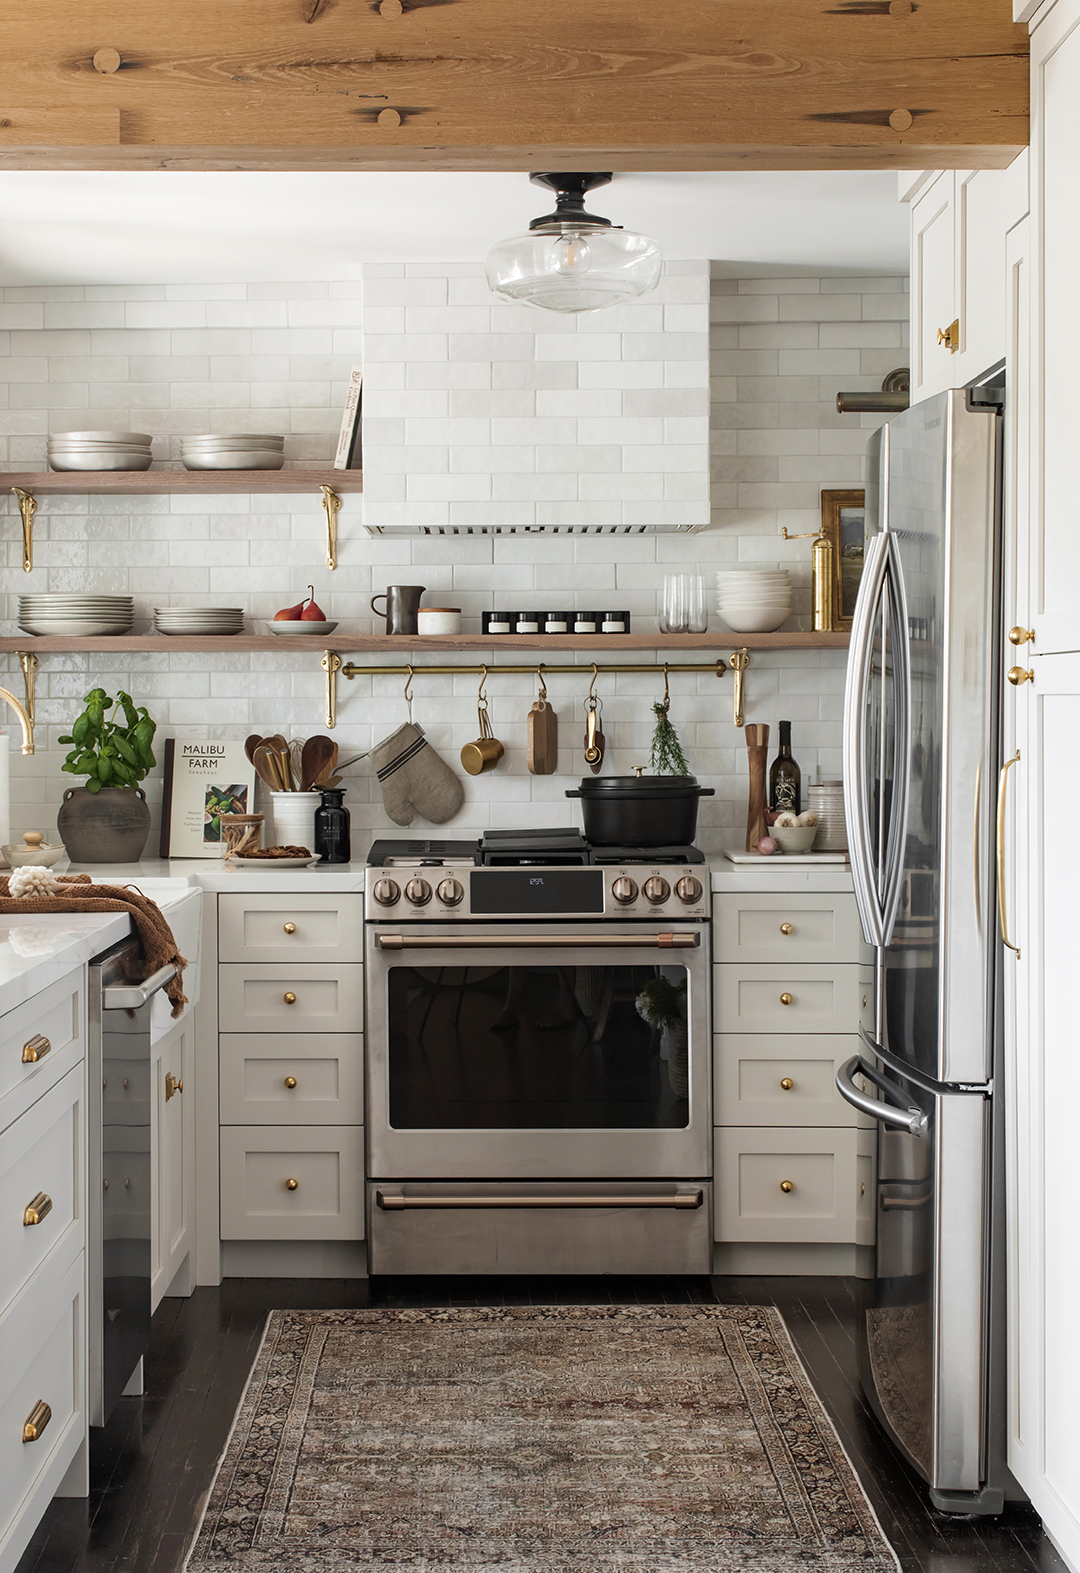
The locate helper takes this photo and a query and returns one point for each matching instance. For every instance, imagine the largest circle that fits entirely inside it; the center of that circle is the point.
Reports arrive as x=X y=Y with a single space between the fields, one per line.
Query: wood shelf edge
x=365 y=644
x=145 y=483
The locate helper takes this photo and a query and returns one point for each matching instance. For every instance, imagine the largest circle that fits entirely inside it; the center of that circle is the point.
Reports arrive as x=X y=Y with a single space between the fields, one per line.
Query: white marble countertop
x=777 y=873
x=36 y=951
x=210 y=874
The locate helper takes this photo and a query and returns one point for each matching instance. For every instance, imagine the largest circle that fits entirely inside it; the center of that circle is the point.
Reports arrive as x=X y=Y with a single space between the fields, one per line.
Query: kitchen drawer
x=42 y=1152
x=767 y=1078
x=328 y=1069
x=327 y=999
x=775 y=1183
x=785 y=928
x=327 y=1163
x=42 y=1359
x=57 y=1014
x=794 y=999
x=283 y=927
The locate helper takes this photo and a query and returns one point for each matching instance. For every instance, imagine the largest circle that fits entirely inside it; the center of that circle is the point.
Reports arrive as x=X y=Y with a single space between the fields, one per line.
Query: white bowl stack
x=76 y=615
x=99 y=450
x=190 y=620
x=239 y=451
x=753 y=600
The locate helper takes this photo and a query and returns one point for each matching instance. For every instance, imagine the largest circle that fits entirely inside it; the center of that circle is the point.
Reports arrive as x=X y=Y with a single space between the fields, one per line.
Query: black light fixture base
x=570 y=190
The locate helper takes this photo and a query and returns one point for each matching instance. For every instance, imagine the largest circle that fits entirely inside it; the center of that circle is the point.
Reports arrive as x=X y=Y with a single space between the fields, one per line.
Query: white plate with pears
x=306 y=617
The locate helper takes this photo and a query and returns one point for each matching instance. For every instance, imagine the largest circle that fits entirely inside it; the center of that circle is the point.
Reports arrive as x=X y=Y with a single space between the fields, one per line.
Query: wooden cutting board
x=543 y=747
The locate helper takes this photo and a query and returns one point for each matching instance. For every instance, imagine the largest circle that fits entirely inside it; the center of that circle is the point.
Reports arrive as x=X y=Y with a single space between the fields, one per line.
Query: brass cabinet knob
x=950 y=336
x=787 y=1083
x=864 y=999
x=290 y=928
x=1019 y=675
x=290 y=1082
x=862 y=1189
x=173 y=1084
x=787 y=999
x=624 y=889
x=39 y=1207
x=787 y=1186
x=787 y=928
x=289 y=997
x=1020 y=635
x=36 y=1421
x=292 y=1185
x=657 y=890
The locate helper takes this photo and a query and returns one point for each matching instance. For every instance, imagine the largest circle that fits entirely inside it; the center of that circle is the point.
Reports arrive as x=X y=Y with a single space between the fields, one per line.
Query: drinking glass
x=697 y=615
x=673 y=604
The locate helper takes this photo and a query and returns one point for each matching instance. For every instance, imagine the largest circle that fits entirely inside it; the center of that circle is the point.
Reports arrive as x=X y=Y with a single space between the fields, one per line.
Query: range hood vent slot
x=531 y=529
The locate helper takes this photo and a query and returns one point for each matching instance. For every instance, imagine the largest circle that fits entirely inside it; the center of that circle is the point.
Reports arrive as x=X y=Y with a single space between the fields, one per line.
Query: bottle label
x=784 y=794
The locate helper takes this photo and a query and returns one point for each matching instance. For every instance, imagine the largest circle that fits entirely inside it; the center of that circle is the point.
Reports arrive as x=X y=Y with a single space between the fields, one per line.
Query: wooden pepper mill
x=757 y=746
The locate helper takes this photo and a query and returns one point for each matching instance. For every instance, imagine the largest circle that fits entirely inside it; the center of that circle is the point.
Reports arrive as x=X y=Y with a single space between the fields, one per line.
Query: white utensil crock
x=294 y=818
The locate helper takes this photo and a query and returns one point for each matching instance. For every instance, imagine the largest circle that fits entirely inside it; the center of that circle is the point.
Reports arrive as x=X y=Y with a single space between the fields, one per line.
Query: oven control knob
x=418 y=891
x=624 y=889
x=657 y=890
x=386 y=892
x=450 y=891
x=688 y=889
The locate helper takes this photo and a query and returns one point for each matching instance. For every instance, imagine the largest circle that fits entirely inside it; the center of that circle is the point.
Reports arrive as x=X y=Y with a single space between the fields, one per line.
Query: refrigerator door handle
x=893 y=1112
x=856 y=772
x=900 y=650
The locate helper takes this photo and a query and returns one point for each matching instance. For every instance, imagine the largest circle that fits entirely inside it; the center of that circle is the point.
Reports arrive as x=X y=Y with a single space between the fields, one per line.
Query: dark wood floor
x=153 y=1463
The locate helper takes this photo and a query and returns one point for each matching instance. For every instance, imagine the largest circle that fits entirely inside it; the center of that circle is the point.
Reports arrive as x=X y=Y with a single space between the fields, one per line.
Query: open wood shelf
x=396 y=644
x=143 y=483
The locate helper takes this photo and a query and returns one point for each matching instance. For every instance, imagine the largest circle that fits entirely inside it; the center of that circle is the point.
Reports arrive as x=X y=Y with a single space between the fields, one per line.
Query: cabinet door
x=980 y=272
x=173 y=1146
x=794 y=1185
x=933 y=286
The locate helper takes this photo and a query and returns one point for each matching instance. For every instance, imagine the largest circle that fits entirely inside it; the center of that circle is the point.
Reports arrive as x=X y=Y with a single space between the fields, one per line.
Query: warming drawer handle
x=536 y=941
x=392 y=1201
x=129 y=996
x=894 y=1113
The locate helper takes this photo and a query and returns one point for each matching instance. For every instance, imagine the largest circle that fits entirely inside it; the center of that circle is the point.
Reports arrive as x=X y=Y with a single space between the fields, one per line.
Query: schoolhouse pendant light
x=571 y=260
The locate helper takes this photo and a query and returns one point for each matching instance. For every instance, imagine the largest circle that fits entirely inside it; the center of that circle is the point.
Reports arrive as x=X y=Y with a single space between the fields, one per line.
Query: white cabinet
x=172 y=1181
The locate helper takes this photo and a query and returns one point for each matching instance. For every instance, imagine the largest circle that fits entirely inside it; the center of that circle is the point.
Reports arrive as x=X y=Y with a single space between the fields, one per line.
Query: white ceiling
x=176 y=227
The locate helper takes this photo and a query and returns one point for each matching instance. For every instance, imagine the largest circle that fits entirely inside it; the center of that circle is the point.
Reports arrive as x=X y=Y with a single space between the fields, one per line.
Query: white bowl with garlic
x=794 y=833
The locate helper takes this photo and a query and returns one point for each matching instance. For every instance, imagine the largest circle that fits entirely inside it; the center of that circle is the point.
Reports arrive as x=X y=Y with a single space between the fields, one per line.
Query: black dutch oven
x=640 y=811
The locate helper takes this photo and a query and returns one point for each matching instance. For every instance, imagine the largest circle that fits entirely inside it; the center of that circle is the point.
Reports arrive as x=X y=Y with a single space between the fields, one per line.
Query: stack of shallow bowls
x=198 y=620
x=72 y=615
x=753 y=600
x=240 y=451
x=99 y=450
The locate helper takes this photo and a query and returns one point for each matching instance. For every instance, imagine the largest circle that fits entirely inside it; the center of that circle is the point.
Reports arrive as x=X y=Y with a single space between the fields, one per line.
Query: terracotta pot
x=110 y=826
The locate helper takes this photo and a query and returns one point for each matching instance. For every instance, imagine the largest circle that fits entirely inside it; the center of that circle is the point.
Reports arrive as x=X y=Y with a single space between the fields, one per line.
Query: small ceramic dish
x=297 y=625
x=41 y=856
x=272 y=863
x=793 y=838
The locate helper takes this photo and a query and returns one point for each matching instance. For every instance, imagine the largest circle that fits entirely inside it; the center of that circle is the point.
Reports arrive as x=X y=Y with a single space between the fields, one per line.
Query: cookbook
x=203 y=780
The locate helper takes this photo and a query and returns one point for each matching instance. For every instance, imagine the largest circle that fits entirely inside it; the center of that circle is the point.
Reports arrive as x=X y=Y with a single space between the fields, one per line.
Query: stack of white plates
x=240 y=451
x=71 y=615
x=99 y=450
x=198 y=620
x=753 y=600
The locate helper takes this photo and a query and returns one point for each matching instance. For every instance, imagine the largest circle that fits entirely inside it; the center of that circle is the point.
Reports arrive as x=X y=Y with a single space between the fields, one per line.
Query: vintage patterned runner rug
x=538 y=1439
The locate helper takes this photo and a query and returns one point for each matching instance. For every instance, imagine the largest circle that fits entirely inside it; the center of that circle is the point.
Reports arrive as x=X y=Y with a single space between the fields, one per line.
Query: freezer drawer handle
x=129 y=996
x=393 y=1201
x=535 y=941
x=894 y=1112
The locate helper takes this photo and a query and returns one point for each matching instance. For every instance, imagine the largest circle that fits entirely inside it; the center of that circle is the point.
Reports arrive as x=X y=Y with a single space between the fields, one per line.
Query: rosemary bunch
x=667 y=757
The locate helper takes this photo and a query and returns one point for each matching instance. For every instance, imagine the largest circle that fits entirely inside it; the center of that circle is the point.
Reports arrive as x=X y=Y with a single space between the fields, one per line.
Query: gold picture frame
x=843 y=523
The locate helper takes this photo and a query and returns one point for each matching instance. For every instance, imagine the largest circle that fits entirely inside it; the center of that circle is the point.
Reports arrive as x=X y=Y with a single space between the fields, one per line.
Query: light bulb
x=570 y=252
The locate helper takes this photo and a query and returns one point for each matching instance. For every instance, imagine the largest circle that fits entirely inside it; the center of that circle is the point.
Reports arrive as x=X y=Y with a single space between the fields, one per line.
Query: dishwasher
x=119 y=1110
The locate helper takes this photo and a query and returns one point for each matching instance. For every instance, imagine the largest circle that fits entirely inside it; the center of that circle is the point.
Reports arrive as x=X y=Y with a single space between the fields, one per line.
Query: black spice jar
x=333 y=842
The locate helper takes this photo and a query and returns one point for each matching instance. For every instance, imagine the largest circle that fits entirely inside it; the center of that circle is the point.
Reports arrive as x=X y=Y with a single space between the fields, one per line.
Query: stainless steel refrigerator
x=921 y=760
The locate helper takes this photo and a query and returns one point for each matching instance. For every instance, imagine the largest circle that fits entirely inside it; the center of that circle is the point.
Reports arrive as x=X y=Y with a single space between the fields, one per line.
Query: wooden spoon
x=251 y=745
x=318 y=759
x=267 y=762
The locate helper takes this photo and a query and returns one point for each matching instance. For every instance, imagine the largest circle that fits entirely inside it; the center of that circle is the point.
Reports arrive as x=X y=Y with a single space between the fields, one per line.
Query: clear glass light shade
x=566 y=269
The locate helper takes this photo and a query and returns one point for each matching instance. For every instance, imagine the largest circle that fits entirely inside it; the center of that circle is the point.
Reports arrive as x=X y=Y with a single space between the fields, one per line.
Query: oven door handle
x=536 y=941
x=393 y=1201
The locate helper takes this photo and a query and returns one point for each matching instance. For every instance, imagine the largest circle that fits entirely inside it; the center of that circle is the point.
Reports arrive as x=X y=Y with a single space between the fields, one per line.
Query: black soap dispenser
x=332 y=839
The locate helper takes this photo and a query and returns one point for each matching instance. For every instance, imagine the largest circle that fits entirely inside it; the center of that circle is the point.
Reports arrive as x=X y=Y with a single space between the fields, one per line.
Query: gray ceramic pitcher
x=402 y=602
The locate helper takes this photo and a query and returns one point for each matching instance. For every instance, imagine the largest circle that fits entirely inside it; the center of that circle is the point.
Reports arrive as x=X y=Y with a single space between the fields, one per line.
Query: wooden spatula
x=318 y=760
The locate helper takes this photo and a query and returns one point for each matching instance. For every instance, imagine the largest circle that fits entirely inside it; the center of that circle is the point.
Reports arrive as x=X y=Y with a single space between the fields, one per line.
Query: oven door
x=521 y=1051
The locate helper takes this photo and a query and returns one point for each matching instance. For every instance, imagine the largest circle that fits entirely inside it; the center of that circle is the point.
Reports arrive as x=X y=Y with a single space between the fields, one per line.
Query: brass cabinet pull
x=950 y=336
x=292 y=1185
x=172 y=1085
x=36 y=1421
x=39 y=1207
x=290 y=928
x=787 y=1186
x=289 y=997
x=864 y=999
x=36 y=1049
x=1019 y=675
x=290 y=1082
x=1002 y=784
x=1020 y=635
x=787 y=928
x=787 y=1083
x=787 y=999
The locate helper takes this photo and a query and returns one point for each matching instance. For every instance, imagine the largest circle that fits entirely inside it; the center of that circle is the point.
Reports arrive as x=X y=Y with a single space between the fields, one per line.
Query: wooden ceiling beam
x=512 y=84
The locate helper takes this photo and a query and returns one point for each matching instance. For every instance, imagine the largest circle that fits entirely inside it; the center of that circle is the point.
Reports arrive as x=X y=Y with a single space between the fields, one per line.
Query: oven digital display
x=530 y=891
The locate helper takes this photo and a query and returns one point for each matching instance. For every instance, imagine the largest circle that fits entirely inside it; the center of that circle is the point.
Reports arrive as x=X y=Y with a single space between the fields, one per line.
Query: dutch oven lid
x=641 y=786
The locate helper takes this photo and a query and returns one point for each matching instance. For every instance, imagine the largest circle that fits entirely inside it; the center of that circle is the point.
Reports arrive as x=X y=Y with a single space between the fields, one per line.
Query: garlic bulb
x=33 y=882
x=785 y=821
x=807 y=819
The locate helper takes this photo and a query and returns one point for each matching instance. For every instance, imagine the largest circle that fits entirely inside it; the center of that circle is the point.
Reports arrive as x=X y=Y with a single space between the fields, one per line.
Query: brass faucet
x=24 y=721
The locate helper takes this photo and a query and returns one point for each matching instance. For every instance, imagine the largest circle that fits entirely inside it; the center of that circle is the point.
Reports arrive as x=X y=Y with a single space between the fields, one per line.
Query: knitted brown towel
x=157 y=938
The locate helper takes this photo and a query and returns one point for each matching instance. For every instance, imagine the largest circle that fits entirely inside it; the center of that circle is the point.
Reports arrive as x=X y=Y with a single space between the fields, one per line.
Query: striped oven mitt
x=412 y=775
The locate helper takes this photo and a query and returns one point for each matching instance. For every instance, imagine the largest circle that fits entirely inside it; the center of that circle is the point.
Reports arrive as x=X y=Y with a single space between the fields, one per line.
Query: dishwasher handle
x=129 y=996
x=894 y=1112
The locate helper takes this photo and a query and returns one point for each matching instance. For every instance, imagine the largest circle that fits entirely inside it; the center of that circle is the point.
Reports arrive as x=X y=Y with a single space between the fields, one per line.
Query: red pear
x=290 y=614
x=313 y=612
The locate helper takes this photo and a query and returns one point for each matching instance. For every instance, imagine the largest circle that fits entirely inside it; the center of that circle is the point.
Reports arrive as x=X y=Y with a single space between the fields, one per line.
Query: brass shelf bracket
x=331 y=665
x=28 y=508
x=331 y=503
x=25 y=713
x=740 y=660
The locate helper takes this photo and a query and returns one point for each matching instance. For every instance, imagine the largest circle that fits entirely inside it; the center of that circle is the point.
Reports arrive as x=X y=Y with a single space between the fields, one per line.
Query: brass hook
x=667 y=690
x=592 y=686
x=408 y=687
x=542 y=696
x=481 y=697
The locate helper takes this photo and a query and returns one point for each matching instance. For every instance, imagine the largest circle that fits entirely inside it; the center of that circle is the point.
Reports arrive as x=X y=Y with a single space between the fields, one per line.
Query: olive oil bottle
x=785 y=777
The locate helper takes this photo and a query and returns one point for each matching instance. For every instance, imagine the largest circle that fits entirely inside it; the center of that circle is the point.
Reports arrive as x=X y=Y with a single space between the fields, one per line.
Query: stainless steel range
x=525 y=1114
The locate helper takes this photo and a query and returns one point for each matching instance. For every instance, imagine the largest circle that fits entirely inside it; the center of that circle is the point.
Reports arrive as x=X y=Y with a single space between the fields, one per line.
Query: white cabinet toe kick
x=565 y=1226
